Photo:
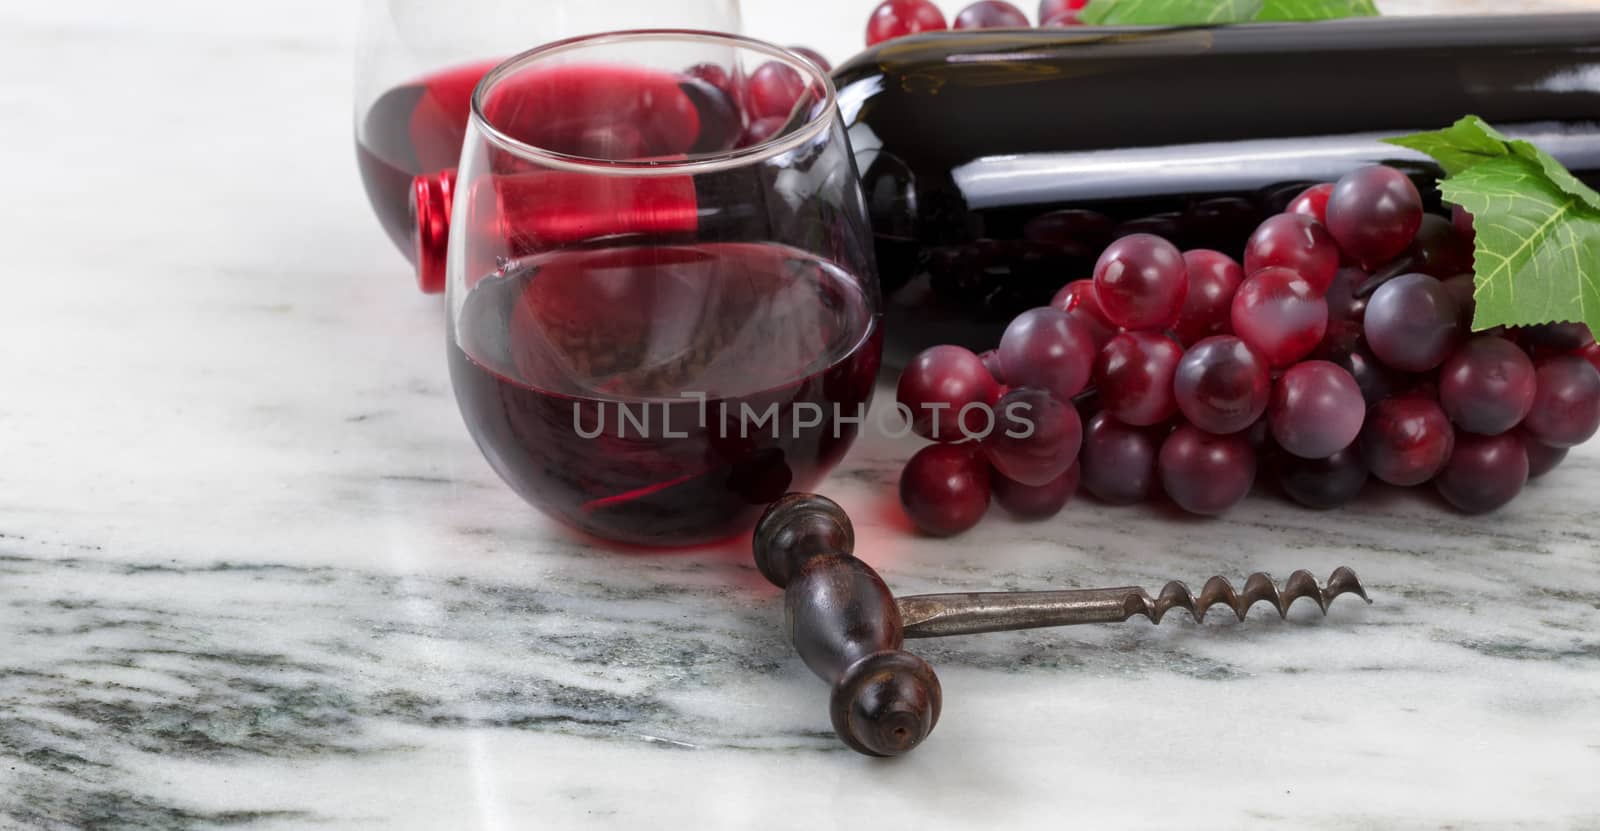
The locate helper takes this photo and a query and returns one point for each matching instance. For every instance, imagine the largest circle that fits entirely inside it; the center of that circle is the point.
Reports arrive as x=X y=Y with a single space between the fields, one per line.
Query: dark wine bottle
x=998 y=164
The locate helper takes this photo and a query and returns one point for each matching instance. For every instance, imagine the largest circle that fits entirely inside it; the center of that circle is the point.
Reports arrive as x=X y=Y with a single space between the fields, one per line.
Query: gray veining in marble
x=253 y=573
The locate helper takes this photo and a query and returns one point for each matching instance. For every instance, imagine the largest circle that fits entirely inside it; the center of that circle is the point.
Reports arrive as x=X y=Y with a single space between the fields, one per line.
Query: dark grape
x=1141 y=282
x=1463 y=224
x=1566 y=407
x=991 y=14
x=949 y=393
x=1036 y=501
x=1345 y=346
x=945 y=488
x=1279 y=315
x=1557 y=338
x=1214 y=278
x=1542 y=458
x=1413 y=323
x=1078 y=299
x=1118 y=461
x=1134 y=377
x=1343 y=304
x=991 y=362
x=1298 y=243
x=1463 y=289
x=1312 y=202
x=1487 y=386
x=1374 y=213
x=1222 y=385
x=1049 y=349
x=1406 y=440
x=1035 y=436
x=1484 y=472
x=773 y=90
x=898 y=18
x=1205 y=473
x=1316 y=410
x=1323 y=483
x=1437 y=250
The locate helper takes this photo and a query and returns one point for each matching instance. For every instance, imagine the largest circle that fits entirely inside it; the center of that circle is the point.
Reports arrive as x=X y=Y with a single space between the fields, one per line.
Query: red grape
x=1484 y=472
x=1060 y=19
x=1049 y=349
x=1487 y=386
x=1134 y=377
x=1118 y=461
x=1298 y=243
x=1323 y=483
x=1214 y=278
x=945 y=488
x=991 y=14
x=1279 y=314
x=1222 y=385
x=1591 y=353
x=1051 y=8
x=762 y=129
x=773 y=90
x=1312 y=202
x=1036 y=501
x=1078 y=299
x=1407 y=440
x=897 y=18
x=1542 y=458
x=1141 y=282
x=1035 y=437
x=1412 y=323
x=1566 y=408
x=948 y=391
x=1374 y=213
x=1316 y=410
x=1204 y=473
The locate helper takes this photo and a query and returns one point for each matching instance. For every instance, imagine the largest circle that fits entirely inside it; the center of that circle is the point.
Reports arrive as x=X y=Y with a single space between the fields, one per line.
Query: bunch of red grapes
x=1340 y=350
x=898 y=18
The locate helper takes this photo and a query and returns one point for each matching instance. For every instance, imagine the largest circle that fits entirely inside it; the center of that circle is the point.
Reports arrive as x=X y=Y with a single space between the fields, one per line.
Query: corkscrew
x=849 y=628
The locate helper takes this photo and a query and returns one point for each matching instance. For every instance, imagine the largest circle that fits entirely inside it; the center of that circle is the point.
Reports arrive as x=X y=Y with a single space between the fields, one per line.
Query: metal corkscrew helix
x=849 y=629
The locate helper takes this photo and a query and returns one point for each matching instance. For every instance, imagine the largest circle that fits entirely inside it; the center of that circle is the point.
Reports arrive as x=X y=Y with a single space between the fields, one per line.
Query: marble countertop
x=254 y=574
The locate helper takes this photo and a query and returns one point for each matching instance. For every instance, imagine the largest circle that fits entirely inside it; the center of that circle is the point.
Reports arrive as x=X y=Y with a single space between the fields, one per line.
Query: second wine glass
x=660 y=321
x=418 y=61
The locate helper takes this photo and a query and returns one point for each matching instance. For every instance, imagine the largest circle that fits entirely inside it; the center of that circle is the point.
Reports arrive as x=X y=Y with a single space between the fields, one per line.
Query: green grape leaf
x=1197 y=12
x=1168 y=12
x=1290 y=10
x=1537 y=255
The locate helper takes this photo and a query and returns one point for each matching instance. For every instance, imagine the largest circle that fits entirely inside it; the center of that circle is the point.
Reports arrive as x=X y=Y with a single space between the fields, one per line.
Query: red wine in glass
x=662 y=395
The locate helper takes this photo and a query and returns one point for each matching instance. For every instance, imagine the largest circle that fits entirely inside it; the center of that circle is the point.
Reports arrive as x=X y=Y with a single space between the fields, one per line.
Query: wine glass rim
x=816 y=122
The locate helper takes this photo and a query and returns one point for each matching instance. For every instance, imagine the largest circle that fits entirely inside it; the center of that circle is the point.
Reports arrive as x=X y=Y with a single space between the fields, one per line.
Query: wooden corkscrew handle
x=843 y=621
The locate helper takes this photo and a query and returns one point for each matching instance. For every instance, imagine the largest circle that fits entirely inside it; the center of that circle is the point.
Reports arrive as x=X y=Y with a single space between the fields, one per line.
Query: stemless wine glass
x=660 y=320
x=418 y=61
